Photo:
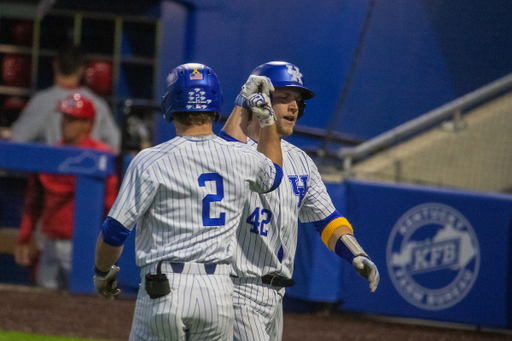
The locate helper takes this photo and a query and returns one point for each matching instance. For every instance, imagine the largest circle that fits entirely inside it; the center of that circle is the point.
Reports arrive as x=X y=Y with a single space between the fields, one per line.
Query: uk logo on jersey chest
x=299 y=185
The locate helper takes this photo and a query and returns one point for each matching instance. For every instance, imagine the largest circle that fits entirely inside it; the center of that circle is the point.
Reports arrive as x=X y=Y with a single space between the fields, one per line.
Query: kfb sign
x=433 y=256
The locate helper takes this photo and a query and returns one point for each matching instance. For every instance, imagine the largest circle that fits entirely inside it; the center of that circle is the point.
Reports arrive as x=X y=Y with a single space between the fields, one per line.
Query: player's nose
x=293 y=106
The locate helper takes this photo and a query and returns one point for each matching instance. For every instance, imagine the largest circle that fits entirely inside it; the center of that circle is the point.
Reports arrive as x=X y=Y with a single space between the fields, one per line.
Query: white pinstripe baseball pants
x=199 y=307
x=258 y=311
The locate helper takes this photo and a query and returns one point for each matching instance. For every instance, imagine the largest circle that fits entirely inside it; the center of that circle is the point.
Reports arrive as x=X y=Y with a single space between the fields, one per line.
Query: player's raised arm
x=235 y=127
x=270 y=141
x=237 y=123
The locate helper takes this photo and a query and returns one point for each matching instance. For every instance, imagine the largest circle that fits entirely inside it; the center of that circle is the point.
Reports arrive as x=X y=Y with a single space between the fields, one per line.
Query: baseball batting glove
x=260 y=105
x=106 y=284
x=254 y=84
x=367 y=269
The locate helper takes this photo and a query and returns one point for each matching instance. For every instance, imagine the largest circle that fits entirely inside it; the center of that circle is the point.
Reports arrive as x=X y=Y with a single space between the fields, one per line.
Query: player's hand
x=260 y=105
x=253 y=85
x=257 y=84
x=106 y=286
x=367 y=269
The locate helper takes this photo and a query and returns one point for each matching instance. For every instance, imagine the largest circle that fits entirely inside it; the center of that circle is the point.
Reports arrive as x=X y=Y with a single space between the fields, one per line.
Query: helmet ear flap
x=163 y=105
x=302 y=107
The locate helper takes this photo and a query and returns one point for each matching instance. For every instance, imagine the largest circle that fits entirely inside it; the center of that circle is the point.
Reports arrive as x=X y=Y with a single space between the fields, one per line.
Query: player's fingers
x=359 y=265
x=256 y=100
x=114 y=270
x=111 y=295
x=374 y=279
x=270 y=85
x=264 y=85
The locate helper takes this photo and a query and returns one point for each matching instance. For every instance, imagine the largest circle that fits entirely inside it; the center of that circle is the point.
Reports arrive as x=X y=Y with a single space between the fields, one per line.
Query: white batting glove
x=367 y=269
x=106 y=286
x=253 y=85
x=260 y=105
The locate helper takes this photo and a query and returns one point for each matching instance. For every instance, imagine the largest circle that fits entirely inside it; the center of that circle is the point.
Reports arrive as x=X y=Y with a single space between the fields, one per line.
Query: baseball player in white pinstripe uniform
x=186 y=197
x=267 y=237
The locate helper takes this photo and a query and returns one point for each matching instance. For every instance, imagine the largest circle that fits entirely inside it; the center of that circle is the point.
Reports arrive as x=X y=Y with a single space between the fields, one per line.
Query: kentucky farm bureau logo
x=433 y=256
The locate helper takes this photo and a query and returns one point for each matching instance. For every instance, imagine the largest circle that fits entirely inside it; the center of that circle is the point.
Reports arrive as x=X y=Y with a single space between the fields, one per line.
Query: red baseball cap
x=77 y=105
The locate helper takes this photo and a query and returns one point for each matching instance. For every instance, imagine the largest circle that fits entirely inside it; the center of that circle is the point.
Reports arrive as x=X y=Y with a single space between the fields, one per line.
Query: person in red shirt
x=50 y=200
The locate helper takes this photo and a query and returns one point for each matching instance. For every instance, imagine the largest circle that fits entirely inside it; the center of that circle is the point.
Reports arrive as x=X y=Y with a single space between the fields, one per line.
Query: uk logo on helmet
x=294 y=71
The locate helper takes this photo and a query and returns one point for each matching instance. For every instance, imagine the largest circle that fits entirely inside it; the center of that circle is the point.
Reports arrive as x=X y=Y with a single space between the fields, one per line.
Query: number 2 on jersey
x=209 y=198
x=254 y=220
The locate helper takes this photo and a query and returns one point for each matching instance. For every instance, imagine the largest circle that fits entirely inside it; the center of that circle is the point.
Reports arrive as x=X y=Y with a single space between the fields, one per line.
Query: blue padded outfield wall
x=415 y=56
x=442 y=255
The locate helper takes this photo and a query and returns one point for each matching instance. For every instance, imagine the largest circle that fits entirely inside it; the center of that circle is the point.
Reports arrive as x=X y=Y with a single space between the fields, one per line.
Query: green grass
x=16 y=336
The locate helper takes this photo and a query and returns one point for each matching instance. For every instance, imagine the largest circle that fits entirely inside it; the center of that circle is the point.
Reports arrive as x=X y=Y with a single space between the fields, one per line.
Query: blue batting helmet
x=283 y=74
x=191 y=87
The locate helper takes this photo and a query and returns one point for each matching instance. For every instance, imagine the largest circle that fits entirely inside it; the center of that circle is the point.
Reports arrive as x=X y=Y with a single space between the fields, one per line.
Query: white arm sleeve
x=262 y=177
x=317 y=202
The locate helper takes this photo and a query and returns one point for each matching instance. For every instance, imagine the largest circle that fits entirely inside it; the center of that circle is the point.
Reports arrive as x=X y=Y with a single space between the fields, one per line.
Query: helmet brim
x=305 y=92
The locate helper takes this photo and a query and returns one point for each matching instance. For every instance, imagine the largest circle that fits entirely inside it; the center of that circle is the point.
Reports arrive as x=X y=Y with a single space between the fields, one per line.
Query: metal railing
x=452 y=110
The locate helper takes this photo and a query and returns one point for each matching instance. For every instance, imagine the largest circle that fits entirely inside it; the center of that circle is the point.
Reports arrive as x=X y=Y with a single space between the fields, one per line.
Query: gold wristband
x=332 y=226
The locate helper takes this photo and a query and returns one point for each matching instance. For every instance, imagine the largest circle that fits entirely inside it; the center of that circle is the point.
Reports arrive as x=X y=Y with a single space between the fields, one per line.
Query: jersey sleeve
x=267 y=175
x=136 y=194
x=225 y=136
x=317 y=202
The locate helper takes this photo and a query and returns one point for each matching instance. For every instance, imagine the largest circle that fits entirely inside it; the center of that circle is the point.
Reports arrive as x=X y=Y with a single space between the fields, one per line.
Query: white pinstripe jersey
x=270 y=221
x=186 y=196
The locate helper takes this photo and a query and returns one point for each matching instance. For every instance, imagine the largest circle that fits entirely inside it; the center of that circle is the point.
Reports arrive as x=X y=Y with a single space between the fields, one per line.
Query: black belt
x=277 y=281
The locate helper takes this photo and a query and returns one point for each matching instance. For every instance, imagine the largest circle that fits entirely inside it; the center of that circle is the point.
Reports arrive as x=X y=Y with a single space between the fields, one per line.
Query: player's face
x=285 y=105
x=74 y=129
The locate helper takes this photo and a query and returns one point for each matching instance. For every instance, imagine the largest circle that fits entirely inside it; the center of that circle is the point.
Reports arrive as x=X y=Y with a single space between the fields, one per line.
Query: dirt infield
x=32 y=310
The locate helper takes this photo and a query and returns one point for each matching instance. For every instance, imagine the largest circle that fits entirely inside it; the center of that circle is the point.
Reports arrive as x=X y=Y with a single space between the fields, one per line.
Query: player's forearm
x=337 y=234
x=236 y=124
x=270 y=144
x=106 y=255
x=339 y=238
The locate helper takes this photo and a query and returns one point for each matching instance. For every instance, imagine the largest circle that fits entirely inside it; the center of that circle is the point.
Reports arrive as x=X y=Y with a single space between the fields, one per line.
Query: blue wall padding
x=416 y=55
